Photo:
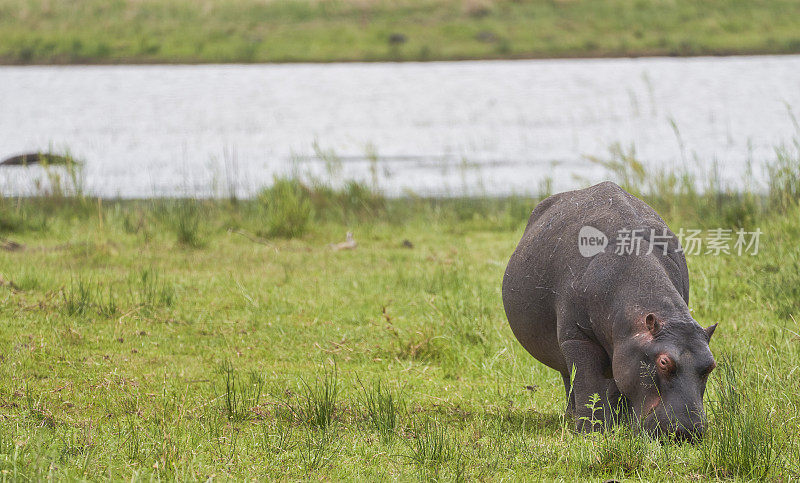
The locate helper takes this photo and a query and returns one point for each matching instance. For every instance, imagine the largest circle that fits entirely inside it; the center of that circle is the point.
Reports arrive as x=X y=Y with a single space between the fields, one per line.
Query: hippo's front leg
x=591 y=368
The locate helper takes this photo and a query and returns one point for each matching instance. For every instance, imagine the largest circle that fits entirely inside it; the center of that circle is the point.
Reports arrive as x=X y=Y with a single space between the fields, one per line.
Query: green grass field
x=191 y=339
x=187 y=31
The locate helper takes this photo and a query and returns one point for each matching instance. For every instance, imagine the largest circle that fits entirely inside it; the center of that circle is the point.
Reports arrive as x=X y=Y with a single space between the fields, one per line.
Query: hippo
x=598 y=289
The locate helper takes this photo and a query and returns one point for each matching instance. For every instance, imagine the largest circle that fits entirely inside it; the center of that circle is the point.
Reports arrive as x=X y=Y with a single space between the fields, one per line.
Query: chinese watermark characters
x=646 y=241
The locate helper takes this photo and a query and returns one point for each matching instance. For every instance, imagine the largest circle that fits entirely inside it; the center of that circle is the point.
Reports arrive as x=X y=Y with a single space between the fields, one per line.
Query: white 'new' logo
x=591 y=241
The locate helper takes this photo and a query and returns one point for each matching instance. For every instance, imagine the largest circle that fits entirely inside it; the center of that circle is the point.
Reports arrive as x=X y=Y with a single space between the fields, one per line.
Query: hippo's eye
x=665 y=364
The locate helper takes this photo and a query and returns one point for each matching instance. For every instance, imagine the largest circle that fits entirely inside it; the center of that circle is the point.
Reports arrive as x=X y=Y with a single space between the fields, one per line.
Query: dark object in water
x=37 y=158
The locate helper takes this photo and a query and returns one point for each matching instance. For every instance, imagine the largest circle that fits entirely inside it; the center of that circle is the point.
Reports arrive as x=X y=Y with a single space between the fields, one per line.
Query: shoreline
x=388 y=60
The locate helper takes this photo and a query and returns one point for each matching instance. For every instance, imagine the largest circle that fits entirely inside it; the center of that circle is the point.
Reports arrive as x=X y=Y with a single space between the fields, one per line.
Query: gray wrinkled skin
x=620 y=320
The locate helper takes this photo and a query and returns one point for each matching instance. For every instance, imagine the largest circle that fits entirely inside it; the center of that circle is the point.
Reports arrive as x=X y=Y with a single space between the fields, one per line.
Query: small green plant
x=287 y=209
x=382 y=406
x=740 y=441
x=594 y=406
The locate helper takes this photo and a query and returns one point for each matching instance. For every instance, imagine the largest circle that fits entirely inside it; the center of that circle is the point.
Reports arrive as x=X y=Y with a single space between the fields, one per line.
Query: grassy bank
x=194 y=339
x=126 y=31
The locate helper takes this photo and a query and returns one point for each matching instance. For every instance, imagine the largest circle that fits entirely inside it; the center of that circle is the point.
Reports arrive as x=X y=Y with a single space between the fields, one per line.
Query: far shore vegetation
x=250 y=31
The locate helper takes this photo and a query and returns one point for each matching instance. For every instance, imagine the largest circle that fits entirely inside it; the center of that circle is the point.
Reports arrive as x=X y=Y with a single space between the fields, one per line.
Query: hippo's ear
x=653 y=325
x=710 y=331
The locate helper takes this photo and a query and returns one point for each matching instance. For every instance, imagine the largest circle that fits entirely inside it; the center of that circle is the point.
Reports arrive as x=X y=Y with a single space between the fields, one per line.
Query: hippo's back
x=543 y=273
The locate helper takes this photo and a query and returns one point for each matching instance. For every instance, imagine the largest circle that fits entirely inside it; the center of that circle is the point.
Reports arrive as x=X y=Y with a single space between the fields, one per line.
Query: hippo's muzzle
x=687 y=425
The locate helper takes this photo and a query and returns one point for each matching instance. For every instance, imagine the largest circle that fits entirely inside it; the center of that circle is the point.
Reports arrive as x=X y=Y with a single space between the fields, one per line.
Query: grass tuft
x=620 y=450
x=287 y=209
x=239 y=396
x=85 y=296
x=149 y=291
x=382 y=407
x=318 y=449
x=316 y=405
x=784 y=175
x=183 y=218
x=431 y=444
x=740 y=441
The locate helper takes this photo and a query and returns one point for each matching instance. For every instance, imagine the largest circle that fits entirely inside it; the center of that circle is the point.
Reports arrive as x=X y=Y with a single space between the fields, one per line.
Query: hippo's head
x=662 y=370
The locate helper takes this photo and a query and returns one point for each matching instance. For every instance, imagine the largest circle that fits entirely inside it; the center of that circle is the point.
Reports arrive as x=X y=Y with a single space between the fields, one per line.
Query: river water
x=440 y=128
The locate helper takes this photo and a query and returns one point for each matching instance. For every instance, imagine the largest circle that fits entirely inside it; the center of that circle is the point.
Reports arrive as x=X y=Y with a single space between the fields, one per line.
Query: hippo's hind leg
x=591 y=366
